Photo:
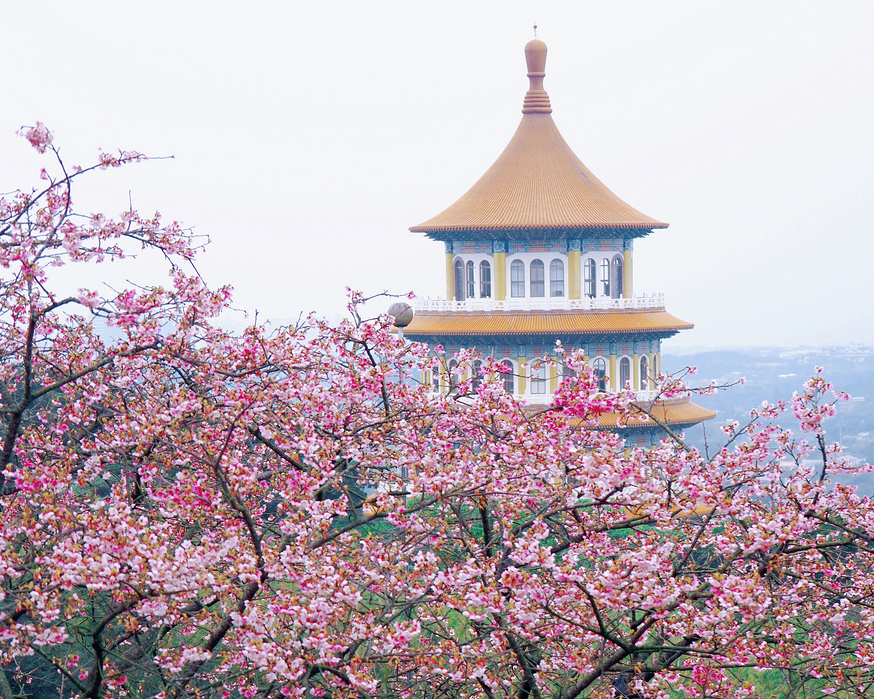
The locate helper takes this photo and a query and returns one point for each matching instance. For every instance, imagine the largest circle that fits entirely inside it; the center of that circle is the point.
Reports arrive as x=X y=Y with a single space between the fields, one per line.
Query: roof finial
x=535 y=30
x=536 y=99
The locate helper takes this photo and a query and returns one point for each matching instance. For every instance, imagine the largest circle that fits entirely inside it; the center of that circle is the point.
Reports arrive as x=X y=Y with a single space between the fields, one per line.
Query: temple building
x=539 y=250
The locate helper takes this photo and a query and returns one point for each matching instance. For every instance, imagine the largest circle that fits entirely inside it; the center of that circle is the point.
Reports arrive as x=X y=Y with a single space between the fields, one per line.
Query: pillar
x=523 y=372
x=450 y=278
x=627 y=288
x=500 y=276
x=614 y=379
x=574 y=288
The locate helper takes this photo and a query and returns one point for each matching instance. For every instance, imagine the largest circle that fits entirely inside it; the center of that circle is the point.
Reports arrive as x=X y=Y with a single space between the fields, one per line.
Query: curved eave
x=673 y=413
x=538 y=183
x=552 y=323
x=534 y=233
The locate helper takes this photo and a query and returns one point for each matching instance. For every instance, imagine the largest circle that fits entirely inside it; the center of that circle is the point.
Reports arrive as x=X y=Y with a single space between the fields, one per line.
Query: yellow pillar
x=553 y=378
x=613 y=378
x=626 y=275
x=573 y=274
x=500 y=276
x=450 y=278
x=635 y=373
x=523 y=370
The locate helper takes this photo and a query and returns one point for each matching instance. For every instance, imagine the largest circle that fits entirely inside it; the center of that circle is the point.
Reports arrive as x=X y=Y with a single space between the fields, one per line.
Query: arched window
x=556 y=278
x=599 y=369
x=509 y=377
x=477 y=374
x=616 y=277
x=485 y=280
x=624 y=372
x=459 y=280
x=538 y=378
x=471 y=280
x=605 y=277
x=517 y=279
x=538 y=286
x=453 y=377
x=435 y=380
x=644 y=373
x=589 y=277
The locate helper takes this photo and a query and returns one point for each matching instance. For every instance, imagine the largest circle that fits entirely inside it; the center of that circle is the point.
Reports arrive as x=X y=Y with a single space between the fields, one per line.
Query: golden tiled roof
x=677 y=412
x=537 y=182
x=542 y=323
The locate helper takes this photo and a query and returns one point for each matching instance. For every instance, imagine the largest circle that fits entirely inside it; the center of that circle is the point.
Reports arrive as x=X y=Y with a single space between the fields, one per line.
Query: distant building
x=539 y=250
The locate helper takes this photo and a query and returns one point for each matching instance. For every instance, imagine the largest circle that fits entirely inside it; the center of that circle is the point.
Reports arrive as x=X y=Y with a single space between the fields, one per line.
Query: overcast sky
x=307 y=138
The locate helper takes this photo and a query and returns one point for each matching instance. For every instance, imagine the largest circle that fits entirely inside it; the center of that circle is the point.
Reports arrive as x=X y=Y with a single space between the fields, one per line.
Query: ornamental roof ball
x=402 y=312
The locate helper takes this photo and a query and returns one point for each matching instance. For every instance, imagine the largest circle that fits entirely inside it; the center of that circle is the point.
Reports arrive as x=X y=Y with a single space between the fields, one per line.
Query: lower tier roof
x=677 y=412
x=543 y=323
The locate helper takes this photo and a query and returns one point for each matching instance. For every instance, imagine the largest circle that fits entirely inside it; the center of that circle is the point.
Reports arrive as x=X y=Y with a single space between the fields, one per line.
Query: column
x=450 y=273
x=627 y=288
x=614 y=379
x=499 y=251
x=574 y=288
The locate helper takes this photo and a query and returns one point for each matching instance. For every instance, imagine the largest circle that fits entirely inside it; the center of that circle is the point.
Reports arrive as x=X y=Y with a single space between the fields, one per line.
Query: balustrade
x=645 y=302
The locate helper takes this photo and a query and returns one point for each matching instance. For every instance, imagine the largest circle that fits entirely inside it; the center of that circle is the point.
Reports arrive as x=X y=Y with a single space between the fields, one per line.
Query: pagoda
x=540 y=251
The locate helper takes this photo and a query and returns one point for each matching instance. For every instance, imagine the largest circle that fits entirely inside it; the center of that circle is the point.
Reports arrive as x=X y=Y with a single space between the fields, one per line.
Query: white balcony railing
x=652 y=301
x=546 y=398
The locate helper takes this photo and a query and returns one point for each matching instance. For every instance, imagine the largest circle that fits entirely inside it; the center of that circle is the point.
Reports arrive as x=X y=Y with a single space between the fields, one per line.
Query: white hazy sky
x=307 y=138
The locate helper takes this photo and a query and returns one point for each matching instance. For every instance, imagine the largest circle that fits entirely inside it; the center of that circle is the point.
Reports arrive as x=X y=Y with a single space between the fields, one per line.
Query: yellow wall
x=626 y=275
x=573 y=263
x=450 y=278
x=500 y=276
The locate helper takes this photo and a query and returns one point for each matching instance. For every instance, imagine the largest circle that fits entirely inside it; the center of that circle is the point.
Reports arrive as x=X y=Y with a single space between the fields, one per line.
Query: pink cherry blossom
x=294 y=512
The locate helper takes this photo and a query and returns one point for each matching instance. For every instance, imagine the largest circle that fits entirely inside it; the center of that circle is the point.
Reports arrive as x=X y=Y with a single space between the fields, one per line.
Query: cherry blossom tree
x=188 y=512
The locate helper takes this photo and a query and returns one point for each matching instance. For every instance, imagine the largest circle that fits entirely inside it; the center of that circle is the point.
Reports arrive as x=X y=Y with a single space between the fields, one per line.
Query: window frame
x=509 y=378
x=517 y=279
x=556 y=278
x=538 y=378
x=605 y=277
x=599 y=369
x=485 y=279
x=537 y=282
x=590 y=278
x=459 y=279
x=624 y=373
x=616 y=276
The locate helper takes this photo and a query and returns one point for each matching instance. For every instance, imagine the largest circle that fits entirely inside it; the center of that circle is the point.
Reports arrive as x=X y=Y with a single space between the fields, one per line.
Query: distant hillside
x=773 y=374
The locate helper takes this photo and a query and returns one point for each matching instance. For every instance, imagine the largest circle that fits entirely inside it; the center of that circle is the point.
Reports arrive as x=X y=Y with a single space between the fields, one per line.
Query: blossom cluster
x=291 y=512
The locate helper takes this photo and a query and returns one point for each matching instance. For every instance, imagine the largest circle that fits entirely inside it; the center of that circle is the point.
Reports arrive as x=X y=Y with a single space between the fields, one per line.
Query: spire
x=537 y=185
x=536 y=99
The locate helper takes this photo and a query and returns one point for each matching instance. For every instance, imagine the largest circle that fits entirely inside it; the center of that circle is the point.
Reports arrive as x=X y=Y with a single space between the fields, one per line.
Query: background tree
x=184 y=511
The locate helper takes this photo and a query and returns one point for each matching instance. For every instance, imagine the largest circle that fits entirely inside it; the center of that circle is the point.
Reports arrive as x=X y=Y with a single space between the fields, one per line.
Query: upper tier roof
x=538 y=185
